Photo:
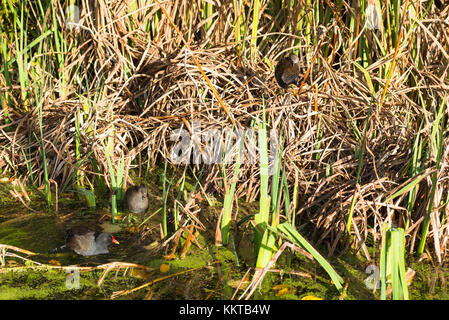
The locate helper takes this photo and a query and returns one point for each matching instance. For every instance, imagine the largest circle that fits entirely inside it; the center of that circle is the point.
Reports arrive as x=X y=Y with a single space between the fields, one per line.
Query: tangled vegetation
x=90 y=90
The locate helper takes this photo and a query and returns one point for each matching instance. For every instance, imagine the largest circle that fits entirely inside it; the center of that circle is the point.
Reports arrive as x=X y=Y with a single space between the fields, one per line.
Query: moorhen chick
x=87 y=242
x=287 y=71
x=137 y=199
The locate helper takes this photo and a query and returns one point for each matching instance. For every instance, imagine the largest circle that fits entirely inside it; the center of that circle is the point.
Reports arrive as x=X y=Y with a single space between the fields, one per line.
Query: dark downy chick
x=287 y=71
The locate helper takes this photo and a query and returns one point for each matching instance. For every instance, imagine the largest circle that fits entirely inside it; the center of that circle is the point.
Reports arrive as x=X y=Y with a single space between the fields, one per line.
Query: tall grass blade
x=229 y=196
x=288 y=230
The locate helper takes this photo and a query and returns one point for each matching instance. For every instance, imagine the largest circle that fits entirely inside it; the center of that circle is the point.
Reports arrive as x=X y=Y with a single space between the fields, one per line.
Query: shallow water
x=208 y=272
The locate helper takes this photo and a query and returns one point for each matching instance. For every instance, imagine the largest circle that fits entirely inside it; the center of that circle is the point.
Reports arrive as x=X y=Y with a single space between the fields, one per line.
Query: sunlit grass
x=365 y=136
x=392 y=263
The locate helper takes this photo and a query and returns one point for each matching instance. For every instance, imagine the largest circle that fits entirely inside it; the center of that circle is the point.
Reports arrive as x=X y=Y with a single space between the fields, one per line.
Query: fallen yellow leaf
x=12 y=263
x=140 y=273
x=282 y=289
x=311 y=298
x=54 y=263
x=164 y=267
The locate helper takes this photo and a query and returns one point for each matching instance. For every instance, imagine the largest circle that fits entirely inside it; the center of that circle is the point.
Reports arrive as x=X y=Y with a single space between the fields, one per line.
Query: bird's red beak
x=114 y=240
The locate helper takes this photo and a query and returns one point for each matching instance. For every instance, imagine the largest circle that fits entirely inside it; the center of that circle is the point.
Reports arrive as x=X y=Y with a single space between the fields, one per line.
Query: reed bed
x=365 y=135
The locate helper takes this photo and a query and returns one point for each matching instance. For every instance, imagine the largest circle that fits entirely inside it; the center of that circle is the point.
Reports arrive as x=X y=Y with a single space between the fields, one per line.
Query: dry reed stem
x=116 y=294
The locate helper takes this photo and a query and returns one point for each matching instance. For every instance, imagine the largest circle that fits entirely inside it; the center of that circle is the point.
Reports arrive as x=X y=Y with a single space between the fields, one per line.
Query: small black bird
x=137 y=199
x=287 y=71
x=87 y=242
